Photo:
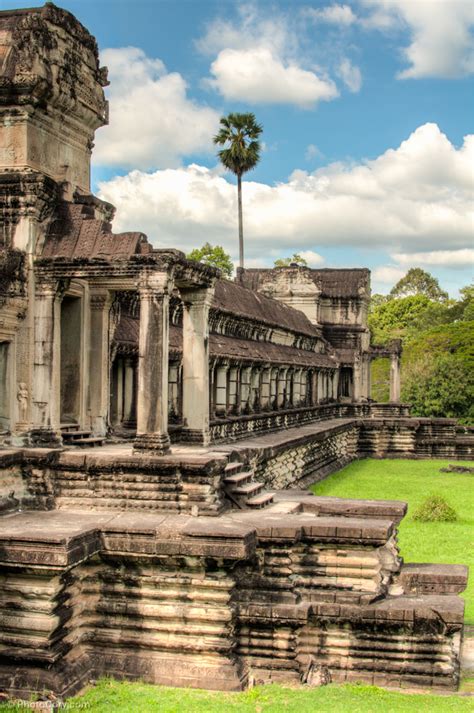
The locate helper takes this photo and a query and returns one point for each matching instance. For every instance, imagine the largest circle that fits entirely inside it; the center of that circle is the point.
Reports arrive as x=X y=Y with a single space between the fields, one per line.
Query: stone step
x=260 y=501
x=248 y=489
x=73 y=435
x=238 y=478
x=68 y=427
x=233 y=468
x=89 y=442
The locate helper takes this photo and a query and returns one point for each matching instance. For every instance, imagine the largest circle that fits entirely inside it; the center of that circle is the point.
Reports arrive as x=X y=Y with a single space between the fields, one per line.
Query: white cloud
x=415 y=198
x=258 y=77
x=387 y=274
x=350 y=75
x=312 y=152
x=313 y=259
x=442 y=42
x=333 y=15
x=460 y=259
x=259 y=61
x=152 y=121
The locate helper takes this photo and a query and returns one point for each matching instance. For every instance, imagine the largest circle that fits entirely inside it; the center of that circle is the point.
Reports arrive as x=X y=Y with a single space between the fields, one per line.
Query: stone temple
x=158 y=426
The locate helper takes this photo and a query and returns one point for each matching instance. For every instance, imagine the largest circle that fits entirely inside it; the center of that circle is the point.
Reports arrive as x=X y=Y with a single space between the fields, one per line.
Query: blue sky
x=365 y=106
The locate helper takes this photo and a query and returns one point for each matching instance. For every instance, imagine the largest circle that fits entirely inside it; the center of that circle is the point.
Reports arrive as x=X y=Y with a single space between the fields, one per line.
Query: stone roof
x=127 y=333
x=238 y=300
x=347 y=282
x=331 y=282
x=76 y=232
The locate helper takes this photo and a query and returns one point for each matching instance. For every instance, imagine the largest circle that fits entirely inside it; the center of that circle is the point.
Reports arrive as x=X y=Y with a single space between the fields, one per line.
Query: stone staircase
x=72 y=436
x=242 y=490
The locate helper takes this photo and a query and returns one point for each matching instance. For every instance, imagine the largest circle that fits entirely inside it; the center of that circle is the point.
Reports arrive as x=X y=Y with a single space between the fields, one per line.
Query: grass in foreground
x=413 y=481
x=114 y=697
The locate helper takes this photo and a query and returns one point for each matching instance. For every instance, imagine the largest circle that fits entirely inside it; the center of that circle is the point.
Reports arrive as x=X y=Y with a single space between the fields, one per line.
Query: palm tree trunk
x=241 y=229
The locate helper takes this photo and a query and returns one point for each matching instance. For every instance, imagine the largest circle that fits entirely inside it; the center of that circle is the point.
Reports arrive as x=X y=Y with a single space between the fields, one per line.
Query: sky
x=367 y=109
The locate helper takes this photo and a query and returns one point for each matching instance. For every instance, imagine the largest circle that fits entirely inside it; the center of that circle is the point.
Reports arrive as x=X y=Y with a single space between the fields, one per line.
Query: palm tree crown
x=240 y=132
x=239 y=135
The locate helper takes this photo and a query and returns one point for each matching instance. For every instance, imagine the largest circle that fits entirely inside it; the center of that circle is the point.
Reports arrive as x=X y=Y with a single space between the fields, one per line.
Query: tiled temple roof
x=232 y=298
x=229 y=347
x=75 y=232
x=332 y=282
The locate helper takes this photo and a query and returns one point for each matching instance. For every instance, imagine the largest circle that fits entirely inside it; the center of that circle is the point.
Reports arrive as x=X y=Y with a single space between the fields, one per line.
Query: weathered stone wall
x=216 y=603
x=308 y=461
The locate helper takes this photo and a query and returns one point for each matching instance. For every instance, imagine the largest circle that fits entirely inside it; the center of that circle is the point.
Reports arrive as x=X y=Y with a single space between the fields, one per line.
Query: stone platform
x=216 y=602
x=109 y=571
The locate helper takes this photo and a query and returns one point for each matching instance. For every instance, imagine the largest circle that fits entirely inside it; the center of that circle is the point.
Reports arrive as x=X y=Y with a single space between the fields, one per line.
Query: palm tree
x=239 y=134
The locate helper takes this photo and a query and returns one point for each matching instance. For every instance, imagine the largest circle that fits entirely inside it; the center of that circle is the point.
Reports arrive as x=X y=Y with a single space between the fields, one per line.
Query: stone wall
x=218 y=603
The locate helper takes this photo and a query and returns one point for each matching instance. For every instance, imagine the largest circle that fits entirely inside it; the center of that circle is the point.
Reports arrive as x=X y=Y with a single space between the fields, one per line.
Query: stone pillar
x=46 y=366
x=296 y=395
x=196 y=407
x=356 y=382
x=99 y=379
x=129 y=417
x=221 y=389
x=395 y=378
x=265 y=389
x=245 y=384
x=254 y=400
x=281 y=398
x=153 y=350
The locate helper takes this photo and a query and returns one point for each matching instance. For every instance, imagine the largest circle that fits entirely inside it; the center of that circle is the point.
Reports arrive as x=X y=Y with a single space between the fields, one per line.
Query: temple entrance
x=4 y=387
x=71 y=350
x=346 y=383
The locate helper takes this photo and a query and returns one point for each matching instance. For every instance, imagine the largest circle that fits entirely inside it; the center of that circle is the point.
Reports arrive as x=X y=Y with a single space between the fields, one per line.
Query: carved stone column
x=281 y=397
x=46 y=366
x=265 y=389
x=129 y=417
x=395 y=378
x=100 y=303
x=196 y=408
x=221 y=389
x=356 y=381
x=153 y=350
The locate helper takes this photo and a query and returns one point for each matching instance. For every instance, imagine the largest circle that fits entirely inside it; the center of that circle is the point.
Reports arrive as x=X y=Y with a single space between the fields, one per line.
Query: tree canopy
x=419 y=282
x=296 y=259
x=438 y=347
x=214 y=255
x=239 y=135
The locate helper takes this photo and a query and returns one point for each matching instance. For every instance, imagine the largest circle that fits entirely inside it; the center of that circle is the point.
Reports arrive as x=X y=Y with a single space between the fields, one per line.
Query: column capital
x=197 y=296
x=151 y=284
x=100 y=299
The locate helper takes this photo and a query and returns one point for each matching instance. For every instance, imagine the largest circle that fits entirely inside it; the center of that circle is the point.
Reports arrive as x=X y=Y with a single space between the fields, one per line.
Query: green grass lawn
x=113 y=697
x=412 y=481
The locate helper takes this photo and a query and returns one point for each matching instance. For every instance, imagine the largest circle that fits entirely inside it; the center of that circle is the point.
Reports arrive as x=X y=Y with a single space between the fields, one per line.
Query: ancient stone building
x=210 y=398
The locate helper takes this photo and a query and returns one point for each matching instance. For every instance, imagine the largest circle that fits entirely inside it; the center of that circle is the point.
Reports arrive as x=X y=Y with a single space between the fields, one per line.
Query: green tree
x=214 y=255
x=296 y=259
x=393 y=318
x=439 y=386
x=239 y=134
x=419 y=282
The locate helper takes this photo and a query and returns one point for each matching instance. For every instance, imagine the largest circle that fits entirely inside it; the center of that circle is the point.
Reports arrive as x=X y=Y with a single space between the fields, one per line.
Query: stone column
x=296 y=396
x=265 y=389
x=128 y=393
x=395 y=378
x=153 y=350
x=99 y=379
x=196 y=407
x=46 y=366
x=245 y=385
x=356 y=381
x=281 y=388
x=221 y=389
